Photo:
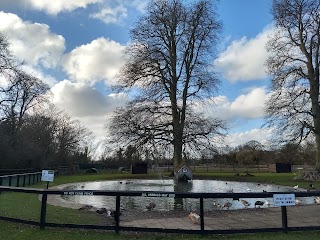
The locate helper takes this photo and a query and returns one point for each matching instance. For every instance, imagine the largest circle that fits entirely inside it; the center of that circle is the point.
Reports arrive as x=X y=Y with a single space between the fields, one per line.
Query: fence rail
x=20 y=180
x=42 y=223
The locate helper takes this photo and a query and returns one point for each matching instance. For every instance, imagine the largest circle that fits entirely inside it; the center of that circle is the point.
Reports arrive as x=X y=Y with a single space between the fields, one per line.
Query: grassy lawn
x=27 y=206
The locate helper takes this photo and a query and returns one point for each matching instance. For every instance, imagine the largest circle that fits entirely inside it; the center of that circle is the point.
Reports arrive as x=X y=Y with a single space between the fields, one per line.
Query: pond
x=168 y=185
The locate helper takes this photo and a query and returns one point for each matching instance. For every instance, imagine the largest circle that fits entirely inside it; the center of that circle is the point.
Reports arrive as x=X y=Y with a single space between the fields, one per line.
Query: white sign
x=284 y=200
x=47 y=175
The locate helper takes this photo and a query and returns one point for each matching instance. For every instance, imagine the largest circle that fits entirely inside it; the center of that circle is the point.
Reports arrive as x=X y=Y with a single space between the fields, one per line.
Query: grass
x=27 y=206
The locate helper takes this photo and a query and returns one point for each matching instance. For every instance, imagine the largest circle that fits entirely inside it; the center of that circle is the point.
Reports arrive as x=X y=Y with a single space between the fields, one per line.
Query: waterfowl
x=317 y=200
x=151 y=206
x=217 y=205
x=227 y=205
x=245 y=203
x=258 y=203
x=86 y=207
x=267 y=203
x=195 y=218
x=296 y=187
x=102 y=211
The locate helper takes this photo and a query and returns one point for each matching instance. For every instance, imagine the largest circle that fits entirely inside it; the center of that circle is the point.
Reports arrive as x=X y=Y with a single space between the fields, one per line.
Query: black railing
x=20 y=180
x=42 y=223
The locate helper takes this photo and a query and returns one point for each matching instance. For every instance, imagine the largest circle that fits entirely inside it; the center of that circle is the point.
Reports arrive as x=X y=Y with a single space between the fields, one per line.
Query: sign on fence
x=47 y=175
x=284 y=200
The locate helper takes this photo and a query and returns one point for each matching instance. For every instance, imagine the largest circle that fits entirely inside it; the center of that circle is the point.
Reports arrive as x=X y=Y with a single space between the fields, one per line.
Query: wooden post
x=43 y=211
x=117 y=214
x=201 y=216
x=284 y=218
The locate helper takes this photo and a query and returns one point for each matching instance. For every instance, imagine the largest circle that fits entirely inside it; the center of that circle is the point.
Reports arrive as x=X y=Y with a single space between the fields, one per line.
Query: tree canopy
x=294 y=66
x=169 y=69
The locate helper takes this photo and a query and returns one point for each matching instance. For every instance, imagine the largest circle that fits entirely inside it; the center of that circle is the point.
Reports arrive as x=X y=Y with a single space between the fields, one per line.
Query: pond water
x=168 y=185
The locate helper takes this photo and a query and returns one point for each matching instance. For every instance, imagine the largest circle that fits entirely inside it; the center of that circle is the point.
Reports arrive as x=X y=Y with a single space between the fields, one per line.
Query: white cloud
x=52 y=7
x=99 y=60
x=261 y=135
x=244 y=59
x=86 y=104
x=110 y=14
x=32 y=43
x=245 y=106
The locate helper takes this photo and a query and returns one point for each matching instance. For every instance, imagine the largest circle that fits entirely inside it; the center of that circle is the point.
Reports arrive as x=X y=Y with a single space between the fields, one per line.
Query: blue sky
x=76 y=47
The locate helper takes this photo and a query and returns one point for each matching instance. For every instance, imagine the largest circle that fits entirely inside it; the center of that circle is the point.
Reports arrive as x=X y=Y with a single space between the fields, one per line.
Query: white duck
x=195 y=218
x=245 y=203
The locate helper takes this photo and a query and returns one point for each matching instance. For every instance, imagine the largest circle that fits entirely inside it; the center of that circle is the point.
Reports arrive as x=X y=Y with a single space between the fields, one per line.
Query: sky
x=76 y=47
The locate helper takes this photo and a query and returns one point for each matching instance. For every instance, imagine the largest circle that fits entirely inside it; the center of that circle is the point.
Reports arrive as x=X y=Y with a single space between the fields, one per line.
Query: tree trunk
x=177 y=148
x=318 y=153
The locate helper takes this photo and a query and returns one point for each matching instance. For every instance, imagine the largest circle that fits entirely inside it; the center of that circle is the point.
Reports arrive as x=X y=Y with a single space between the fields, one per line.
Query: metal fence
x=278 y=217
x=20 y=180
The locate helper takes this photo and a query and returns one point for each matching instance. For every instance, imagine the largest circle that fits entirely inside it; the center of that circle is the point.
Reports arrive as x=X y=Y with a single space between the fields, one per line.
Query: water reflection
x=166 y=204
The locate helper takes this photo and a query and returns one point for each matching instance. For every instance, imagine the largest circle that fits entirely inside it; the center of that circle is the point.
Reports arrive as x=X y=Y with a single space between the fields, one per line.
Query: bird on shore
x=244 y=203
x=195 y=218
x=317 y=200
x=296 y=187
x=227 y=205
x=298 y=201
x=258 y=203
x=150 y=206
x=217 y=205
x=102 y=211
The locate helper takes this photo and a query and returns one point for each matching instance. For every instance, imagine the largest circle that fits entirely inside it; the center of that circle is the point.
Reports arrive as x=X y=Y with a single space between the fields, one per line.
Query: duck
x=86 y=207
x=298 y=201
x=267 y=203
x=195 y=218
x=151 y=206
x=245 y=203
x=296 y=187
x=102 y=211
x=230 y=190
x=227 y=205
x=217 y=205
x=317 y=200
x=258 y=203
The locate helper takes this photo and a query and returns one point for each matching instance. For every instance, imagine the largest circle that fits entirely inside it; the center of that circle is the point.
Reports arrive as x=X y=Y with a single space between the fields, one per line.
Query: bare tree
x=294 y=66
x=168 y=67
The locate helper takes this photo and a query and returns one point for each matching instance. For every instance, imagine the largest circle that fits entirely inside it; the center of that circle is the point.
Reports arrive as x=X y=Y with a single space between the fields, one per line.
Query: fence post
x=29 y=178
x=10 y=180
x=117 y=214
x=201 y=215
x=24 y=180
x=18 y=176
x=284 y=218
x=43 y=210
x=0 y=181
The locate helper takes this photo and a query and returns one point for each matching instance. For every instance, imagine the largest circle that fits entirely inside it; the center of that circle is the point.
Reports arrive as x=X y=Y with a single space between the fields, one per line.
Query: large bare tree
x=169 y=69
x=294 y=66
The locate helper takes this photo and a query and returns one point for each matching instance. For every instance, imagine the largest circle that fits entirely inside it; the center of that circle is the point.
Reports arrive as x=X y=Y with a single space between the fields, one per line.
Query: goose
x=258 y=203
x=317 y=200
x=195 y=218
x=245 y=203
x=151 y=206
x=227 y=205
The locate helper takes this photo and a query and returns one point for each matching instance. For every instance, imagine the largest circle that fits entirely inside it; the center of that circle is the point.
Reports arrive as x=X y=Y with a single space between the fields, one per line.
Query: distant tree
x=294 y=66
x=168 y=67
